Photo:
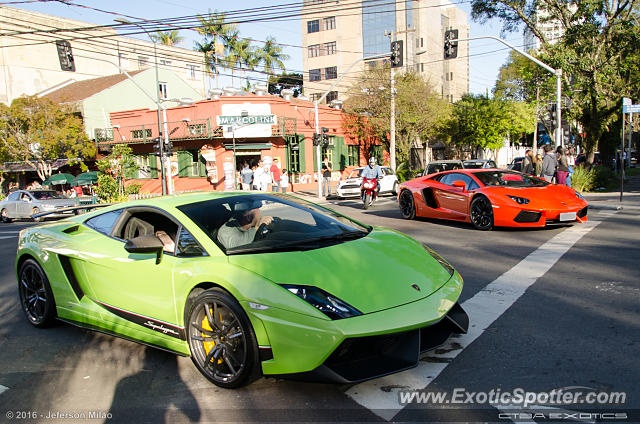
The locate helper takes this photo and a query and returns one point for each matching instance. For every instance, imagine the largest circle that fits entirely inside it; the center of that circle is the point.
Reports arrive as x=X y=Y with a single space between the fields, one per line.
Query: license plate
x=568 y=216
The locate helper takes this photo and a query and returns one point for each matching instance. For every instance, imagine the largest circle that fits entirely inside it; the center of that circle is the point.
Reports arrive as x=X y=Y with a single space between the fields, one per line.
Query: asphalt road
x=551 y=309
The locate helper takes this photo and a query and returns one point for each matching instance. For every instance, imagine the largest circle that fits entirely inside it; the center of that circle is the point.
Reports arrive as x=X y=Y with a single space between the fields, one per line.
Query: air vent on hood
x=71 y=229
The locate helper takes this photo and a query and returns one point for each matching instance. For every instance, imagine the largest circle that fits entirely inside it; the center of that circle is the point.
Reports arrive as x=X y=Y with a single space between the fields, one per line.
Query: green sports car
x=245 y=284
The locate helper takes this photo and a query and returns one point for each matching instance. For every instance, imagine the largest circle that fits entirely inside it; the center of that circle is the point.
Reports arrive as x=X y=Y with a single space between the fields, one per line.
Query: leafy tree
x=37 y=131
x=598 y=53
x=420 y=112
x=213 y=28
x=291 y=80
x=272 y=56
x=484 y=123
x=168 y=38
x=120 y=165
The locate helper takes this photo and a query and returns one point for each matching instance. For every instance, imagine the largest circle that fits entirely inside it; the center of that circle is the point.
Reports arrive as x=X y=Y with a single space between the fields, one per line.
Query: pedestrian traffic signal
x=325 y=136
x=157 y=147
x=396 y=54
x=168 y=148
x=451 y=44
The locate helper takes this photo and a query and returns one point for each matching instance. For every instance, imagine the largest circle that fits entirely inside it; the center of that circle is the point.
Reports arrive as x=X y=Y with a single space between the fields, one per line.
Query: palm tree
x=272 y=56
x=213 y=27
x=168 y=38
x=245 y=53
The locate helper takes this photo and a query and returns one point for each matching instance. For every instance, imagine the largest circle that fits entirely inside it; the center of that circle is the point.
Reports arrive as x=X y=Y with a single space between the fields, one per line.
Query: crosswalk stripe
x=483 y=309
x=8 y=237
x=3 y=388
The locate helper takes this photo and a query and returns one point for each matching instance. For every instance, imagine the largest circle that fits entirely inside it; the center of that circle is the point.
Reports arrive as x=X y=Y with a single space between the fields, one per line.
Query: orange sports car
x=491 y=197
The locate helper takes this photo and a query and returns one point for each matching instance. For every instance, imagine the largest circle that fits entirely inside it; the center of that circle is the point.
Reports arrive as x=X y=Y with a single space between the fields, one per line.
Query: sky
x=486 y=56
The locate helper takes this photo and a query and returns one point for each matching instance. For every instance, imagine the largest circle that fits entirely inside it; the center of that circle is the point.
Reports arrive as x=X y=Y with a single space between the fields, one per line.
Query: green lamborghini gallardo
x=245 y=284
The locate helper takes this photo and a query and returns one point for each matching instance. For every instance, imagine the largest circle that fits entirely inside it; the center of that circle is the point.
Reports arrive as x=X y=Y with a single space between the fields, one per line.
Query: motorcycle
x=368 y=191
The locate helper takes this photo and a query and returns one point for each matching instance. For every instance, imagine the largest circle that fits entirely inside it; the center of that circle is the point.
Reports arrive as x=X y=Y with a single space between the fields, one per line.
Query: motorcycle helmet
x=372 y=161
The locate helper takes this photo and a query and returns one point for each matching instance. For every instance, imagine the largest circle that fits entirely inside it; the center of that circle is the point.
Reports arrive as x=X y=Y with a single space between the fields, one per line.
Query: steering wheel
x=265 y=229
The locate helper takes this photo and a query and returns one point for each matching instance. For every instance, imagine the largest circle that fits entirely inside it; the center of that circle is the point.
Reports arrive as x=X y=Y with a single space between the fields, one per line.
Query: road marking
x=8 y=237
x=10 y=232
x=483 y=309
x=3 y=389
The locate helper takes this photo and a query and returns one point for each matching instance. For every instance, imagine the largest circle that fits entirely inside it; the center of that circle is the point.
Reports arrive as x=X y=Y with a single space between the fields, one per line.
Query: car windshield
x=356 y=173
x=509 y=179
x=270 y=223
x=440 y=166
x=471 y=164
x=46 y=195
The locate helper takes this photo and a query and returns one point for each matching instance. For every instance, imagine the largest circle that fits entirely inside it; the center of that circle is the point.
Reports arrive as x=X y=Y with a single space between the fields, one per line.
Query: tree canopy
x=38 y=131
x=292 y=81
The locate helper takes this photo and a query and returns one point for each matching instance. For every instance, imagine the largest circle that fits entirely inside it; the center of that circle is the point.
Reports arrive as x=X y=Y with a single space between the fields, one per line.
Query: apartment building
x=29 y=61
x=337 y=34
x=551 y=29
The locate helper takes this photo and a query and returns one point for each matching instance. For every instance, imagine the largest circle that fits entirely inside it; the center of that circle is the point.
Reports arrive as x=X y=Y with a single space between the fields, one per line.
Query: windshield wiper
x=299 y=245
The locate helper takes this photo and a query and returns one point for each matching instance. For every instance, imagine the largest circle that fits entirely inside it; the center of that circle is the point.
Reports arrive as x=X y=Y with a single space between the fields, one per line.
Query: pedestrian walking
x=538 y=165
x=284 y=181
x=326 y=177
x=563 y=166
x=258 y=176
x=549 y=163
x=275 y=176
x=266 y=178
x=246 y=176
x=528 y=163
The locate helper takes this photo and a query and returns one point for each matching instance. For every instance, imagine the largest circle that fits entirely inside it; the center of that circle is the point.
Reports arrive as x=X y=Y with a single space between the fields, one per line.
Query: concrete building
x=551 y=29
x=29 y=61
x=336 y=34
x=95 y=99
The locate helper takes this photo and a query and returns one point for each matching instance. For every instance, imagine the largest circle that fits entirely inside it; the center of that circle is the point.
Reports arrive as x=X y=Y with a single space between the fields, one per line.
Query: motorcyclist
x=373 y=171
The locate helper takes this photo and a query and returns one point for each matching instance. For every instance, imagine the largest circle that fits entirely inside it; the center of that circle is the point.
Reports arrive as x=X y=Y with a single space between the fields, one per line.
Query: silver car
x=24 y=203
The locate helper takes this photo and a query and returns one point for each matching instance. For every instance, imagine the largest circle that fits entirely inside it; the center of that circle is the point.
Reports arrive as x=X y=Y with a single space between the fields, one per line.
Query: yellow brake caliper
x=208 y=345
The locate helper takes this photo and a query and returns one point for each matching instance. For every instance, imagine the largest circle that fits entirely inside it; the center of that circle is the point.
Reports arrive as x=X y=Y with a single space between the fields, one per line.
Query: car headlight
x=329 y=305
x=520 y=200
x=446 y=265
x=579 y=196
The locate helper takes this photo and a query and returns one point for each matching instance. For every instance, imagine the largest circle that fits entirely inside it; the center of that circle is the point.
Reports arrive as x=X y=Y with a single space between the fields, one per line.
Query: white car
x=351 y=186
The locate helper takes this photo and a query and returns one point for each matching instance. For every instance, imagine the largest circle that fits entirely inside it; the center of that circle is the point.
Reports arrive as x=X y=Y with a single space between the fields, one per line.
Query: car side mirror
x=145 y=244
x=460 y=184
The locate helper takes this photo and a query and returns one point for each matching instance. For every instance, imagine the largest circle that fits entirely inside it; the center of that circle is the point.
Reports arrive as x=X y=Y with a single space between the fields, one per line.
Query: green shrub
x=404 y=173
x=107 y=189
x=582 y=179
x=603 y=176
x=133 y=188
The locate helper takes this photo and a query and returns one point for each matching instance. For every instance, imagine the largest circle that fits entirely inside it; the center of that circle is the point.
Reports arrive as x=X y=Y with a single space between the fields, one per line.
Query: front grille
x=582 y=212
x=349 y=186
x=528 y=216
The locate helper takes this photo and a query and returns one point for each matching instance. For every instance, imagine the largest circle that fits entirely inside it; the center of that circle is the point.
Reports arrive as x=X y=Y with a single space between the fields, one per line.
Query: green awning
x=58 y=179
x=86 y=178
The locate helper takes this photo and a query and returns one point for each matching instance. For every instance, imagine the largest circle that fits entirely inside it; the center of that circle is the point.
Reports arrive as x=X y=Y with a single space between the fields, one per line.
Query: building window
x=329 y=48
x=314 y=50
x=162 y=87
x=331 y=96
x=144 y=167
x=192 y=72
x=329 y=23
x=294 y=159
x=331 y=72
x=327 y=152
x=197 y=129
x=191 y=164
x=143 y=133
x=422 y=67
x=315 y=96
x=313 y=26
x=353 y=155
x=315 y=75
x=165 y=62
x=143 y=62
x=451 y=76
x=421 y=42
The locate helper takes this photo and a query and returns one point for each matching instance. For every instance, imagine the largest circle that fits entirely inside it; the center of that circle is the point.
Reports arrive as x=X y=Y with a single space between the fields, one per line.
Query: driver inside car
x=241 y=228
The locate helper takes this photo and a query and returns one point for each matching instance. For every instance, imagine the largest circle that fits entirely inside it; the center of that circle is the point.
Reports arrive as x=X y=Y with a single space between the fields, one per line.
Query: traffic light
x=157 y=148
x=168 y=148
x=396 y=54
x=325 y=136
x=316 y=139
x=65 y=56
x=553 y=114
x=451 y=44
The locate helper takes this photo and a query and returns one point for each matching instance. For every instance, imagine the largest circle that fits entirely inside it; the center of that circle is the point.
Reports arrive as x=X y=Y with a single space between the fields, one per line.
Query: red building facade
x=261 y=127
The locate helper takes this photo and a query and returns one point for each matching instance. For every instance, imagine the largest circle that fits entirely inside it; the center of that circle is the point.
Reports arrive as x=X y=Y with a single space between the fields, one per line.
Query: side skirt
x=120 y=336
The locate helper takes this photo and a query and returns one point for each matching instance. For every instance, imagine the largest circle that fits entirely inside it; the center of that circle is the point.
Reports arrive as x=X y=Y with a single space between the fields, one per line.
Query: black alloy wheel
x=36 y=297
x=481 y=213
x=222 y=342
x=407 y=205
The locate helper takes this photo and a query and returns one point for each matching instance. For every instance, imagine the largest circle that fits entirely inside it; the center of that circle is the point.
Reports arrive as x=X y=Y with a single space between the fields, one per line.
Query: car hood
x=372 y=273
x=552 y=196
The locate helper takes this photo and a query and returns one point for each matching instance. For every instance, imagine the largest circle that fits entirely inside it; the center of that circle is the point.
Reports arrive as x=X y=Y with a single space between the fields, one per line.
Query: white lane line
x=483 y=309
x=3 y=388
x=10 y=232
x=8 y=237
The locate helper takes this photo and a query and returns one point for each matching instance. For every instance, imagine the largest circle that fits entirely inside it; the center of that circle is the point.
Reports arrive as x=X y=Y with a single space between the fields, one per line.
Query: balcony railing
x=196 y=129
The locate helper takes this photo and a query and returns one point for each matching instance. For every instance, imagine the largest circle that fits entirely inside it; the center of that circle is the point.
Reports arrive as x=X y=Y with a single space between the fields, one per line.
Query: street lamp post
x=161 y=143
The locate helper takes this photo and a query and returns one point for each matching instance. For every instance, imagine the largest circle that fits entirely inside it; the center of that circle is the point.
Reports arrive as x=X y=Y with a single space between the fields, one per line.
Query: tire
x=367 y=201
x=5 y=216
x=222 y=342
x=481 y=213
x=36 y=297
x=407 y=205
x=35 y=211
x=395 y=189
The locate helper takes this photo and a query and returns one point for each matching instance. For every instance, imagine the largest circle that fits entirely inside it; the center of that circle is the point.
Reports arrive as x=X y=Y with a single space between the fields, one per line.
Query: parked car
x=516 y=164
x=442 y=165
x=24 y=203
x=479 y=163
x=310 y=294
x=351 y=185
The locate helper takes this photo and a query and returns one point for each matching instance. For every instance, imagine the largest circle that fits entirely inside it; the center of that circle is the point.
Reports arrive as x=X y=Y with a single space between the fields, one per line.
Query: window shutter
x=153 y=166
x=184 y=163
x=340 y=154
x=202 y=165
x=302 y=145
